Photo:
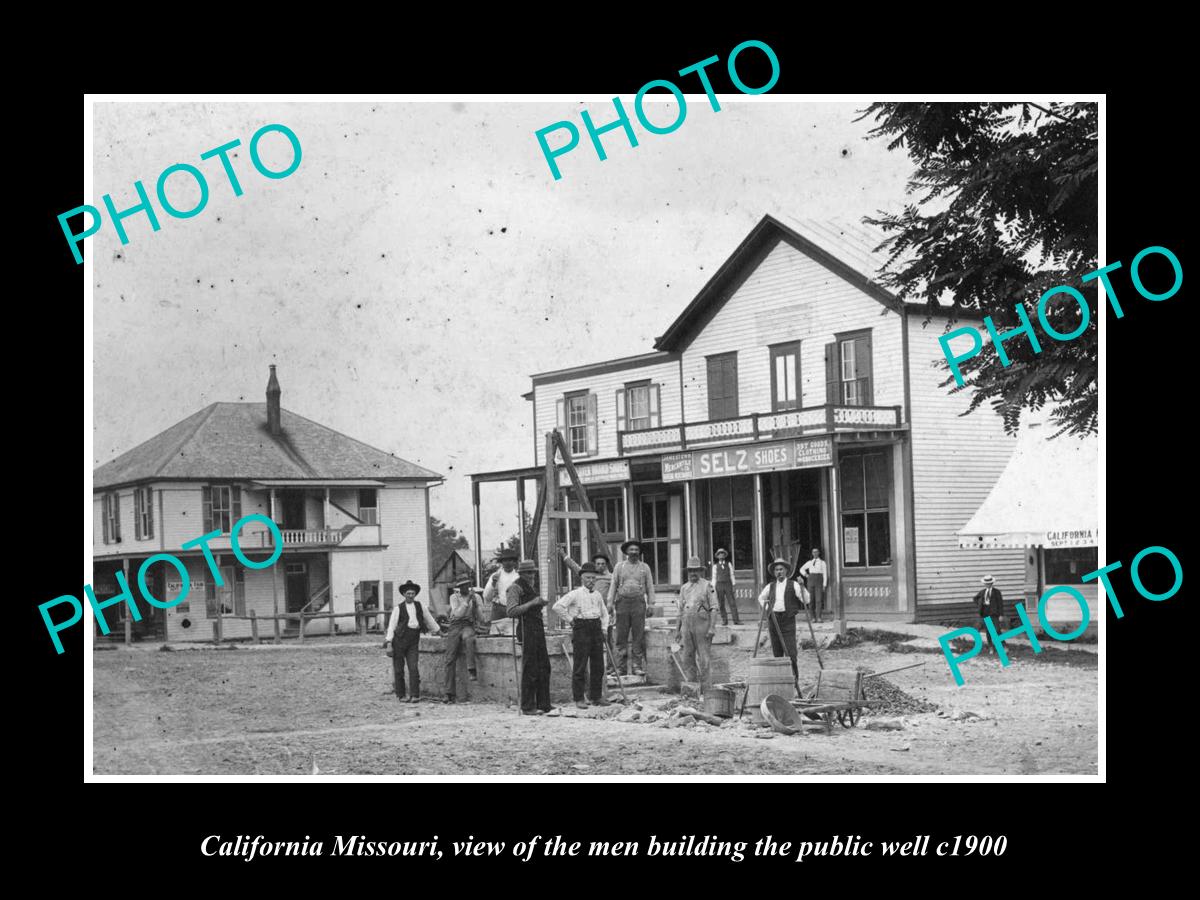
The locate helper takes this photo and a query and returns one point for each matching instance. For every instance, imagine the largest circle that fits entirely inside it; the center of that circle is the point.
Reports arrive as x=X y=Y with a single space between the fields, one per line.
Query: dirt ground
x=282 y=710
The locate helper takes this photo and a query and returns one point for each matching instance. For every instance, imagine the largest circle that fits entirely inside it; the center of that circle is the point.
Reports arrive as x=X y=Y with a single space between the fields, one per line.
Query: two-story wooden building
x=354 y=519
x=795 y=403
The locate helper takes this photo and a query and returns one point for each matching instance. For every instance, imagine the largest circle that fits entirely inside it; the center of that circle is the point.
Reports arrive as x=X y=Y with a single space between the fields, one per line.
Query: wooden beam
x=571 y=514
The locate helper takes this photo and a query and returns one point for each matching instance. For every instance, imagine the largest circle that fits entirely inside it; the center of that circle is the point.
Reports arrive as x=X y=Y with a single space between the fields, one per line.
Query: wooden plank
x=571 y=514
x=834 y=684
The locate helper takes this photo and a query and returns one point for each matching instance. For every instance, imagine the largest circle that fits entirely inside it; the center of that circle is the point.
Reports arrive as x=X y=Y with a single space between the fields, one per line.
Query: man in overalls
x=696 y=622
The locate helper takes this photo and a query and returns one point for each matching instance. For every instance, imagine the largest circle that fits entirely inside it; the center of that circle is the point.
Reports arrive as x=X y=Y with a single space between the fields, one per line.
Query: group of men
x=623 y=596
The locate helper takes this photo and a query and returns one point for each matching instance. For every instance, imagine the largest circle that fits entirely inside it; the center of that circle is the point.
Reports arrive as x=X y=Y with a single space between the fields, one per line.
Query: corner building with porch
x=795 y=403
x=354 y=522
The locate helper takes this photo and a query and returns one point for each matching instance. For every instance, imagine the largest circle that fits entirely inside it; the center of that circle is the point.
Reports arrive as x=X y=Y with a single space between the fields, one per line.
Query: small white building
x=354 y=520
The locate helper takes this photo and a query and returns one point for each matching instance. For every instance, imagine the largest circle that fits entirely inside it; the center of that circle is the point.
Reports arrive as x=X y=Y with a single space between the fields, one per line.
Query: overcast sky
x=422 y=262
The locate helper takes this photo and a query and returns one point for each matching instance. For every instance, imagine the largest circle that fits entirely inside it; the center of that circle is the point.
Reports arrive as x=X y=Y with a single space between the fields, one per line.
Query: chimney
x=274 y=422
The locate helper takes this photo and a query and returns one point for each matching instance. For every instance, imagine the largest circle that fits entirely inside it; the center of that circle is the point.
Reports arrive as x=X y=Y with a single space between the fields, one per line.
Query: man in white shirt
x=408 y=621
x=783 y=597
x=815 y=574
x=496 y=592
x=586 y=611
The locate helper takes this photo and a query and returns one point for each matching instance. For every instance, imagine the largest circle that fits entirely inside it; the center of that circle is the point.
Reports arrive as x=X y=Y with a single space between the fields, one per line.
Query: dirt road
x=278 y=710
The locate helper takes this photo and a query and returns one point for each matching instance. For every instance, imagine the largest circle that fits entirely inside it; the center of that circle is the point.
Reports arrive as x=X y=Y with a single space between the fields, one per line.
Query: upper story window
x=110 y=513
x=578 y=422
x=785 y=376
x=143 y=513
x=848 y=376
x=222 y=507
x=638 y=406
x=368 y=509
x=722 y=386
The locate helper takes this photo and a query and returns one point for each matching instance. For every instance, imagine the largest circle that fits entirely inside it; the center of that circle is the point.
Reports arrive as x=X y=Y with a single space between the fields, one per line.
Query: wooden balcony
x=826 y=419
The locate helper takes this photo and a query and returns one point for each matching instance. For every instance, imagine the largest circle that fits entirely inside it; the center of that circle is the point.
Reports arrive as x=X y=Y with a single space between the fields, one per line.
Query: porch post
x=835 y=545
x=325 y=513
x=125 y=612
x=759 y=536
x=521 y=514
x=687 y=517
x=275 y=584
x=474 y=542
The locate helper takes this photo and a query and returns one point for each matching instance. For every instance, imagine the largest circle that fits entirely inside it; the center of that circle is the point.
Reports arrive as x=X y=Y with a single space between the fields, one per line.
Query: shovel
x=689 y=688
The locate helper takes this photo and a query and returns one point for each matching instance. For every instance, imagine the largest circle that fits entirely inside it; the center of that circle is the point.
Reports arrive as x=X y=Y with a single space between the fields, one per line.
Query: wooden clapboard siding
x=604 y=386
x=791 y=297
x=956 y=461
x=403 y=519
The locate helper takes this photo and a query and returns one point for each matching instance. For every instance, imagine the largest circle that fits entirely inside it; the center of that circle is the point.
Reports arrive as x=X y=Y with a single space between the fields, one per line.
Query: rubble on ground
x=893 y=701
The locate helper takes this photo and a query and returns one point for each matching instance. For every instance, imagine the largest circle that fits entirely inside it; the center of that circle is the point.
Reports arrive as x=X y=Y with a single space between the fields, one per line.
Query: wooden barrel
x=718 y=701
x=768 y=675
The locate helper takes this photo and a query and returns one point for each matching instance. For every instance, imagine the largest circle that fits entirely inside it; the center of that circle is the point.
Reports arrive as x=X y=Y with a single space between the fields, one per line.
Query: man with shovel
x=697 y=622
x=781 y=599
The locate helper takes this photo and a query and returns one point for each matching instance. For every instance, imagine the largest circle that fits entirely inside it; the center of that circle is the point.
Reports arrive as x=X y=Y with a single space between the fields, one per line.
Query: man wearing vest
x=783 y=597
x=460 y=635
x=525 y=607
x=723 y=582
x=409 y=620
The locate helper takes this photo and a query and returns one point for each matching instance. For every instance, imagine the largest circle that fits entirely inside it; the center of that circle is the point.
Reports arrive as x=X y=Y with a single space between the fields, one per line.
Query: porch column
x=475 y=538
x=631 y=530
x=759 y=536
x=835 y=546
x=125 y=612
x=275 y=580
x=274 y=518
x=521 y=514
x=688 y=486
x=325 y=520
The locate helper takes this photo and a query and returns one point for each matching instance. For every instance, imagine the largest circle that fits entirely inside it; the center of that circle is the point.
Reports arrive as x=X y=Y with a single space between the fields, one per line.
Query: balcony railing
x=759 y=427
x=304 y=537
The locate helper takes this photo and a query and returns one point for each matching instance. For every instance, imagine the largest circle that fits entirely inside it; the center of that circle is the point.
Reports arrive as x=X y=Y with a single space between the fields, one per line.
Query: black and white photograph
x=530 y=437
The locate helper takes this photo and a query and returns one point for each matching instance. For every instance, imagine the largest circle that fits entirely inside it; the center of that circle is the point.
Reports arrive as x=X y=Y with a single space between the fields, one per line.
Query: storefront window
x=1069 y=564
x=866 y=508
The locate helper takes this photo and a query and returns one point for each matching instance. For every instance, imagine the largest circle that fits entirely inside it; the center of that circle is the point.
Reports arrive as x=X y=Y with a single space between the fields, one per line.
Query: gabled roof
x=853 y=245
x=231 y=440
x=462 y=559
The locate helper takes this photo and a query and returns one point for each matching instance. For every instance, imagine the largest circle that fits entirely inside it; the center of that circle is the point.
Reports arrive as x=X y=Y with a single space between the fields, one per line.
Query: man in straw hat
x=586 y=611
x=723 y=581
x=408 y=621
x=525 y=606
x=990 y=602
x=697 y=621
x=460 y=635
x=630 y=595
x=496 y=592
x=781 y=599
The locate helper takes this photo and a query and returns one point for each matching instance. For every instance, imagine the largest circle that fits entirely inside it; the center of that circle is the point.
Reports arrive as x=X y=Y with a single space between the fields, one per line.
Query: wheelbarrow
x=841 y=694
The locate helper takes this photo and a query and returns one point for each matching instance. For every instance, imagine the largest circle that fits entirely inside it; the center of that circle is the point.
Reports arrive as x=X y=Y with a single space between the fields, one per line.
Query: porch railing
x=824 y=419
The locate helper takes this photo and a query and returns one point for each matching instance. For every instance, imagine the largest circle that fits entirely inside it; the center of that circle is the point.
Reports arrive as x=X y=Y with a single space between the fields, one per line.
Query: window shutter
x=210 y=596
x=833 y=393
x=621 y=409
x=561 y=406
x=235 y=494
x=358 y=595
x=206 y=503
x=731 y=386
x=149 y=513
x=387 y=595
x=116 y=502
x=137 y=514
x=863 y=365
x=655 y=406
x=593 y=425
x=104 y=516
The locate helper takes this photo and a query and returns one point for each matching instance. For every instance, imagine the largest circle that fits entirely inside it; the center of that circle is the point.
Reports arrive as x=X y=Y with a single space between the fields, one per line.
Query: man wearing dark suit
x=990 y=602
x=525 y=605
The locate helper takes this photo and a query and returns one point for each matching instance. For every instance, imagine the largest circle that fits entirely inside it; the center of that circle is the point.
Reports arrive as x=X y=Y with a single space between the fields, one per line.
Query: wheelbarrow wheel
x=848 y=718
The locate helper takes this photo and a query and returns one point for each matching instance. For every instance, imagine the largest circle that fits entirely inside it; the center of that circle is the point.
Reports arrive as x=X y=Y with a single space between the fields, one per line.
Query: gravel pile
x=892 y=700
